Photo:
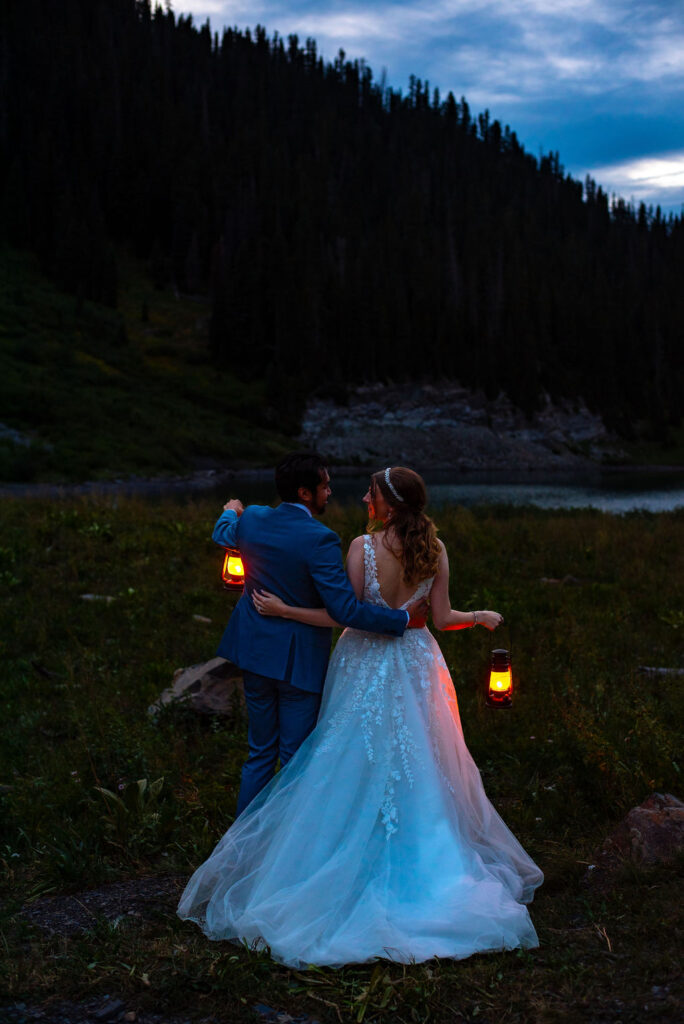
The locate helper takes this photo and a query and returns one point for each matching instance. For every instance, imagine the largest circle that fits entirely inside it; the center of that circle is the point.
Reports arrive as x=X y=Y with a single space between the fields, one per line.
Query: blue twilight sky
x=601 y=81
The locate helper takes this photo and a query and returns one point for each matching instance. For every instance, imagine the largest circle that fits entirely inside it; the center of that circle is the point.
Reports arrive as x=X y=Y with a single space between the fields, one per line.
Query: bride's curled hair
x=413 y=535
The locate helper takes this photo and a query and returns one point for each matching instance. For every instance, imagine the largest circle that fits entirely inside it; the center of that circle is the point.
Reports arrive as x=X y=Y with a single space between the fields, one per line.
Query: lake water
x=613 y=491
x=617 y=492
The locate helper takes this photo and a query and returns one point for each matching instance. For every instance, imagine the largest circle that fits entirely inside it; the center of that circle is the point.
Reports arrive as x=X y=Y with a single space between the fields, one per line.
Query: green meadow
x=590 y=736
x=100 y=393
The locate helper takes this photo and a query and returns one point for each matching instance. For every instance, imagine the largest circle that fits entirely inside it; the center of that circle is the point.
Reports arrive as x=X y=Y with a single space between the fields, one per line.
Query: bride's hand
x=268 y=604
x=490 y=620
x=418 y=611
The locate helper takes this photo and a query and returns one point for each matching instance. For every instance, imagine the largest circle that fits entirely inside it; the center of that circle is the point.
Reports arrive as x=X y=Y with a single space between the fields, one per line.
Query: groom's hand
x=418 y=611
x=234 y=505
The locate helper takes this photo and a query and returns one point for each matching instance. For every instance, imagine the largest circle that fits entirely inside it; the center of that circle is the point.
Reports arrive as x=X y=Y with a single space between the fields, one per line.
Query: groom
x=288 y=552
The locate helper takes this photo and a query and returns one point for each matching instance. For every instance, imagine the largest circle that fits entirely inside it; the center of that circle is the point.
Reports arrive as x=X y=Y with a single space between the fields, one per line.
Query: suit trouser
x=280 y=717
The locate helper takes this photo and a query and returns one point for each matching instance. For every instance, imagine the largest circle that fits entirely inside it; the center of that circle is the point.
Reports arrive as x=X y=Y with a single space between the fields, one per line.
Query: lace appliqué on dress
x=373 y=671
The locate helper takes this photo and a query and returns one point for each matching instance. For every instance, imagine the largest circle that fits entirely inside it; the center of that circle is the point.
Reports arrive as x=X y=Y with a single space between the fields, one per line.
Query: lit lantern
x=500 y=691
x=233 y=572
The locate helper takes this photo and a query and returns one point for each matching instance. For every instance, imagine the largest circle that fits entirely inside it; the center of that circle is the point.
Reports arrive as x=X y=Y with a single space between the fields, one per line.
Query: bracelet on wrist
x=474 y=618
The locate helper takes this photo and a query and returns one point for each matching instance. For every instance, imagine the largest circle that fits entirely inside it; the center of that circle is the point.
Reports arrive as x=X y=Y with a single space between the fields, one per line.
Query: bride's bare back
x=394 y=589
x=389 y=568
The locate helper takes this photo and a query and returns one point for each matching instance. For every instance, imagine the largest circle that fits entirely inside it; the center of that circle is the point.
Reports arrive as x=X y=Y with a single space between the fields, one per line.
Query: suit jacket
x=295 y=556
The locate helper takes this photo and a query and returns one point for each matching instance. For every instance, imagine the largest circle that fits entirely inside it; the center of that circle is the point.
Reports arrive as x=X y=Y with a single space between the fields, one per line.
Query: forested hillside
x=345 y=231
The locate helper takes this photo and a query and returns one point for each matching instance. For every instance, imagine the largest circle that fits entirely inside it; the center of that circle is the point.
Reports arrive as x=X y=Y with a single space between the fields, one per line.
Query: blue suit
x=284 y=663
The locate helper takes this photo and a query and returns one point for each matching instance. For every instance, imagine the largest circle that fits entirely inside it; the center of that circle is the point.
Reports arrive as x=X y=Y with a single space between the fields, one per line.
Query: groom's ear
x=304 y=495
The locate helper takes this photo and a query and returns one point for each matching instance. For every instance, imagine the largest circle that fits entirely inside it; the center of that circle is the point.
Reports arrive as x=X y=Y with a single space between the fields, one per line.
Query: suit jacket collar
x=296 y=504
x=286 y=508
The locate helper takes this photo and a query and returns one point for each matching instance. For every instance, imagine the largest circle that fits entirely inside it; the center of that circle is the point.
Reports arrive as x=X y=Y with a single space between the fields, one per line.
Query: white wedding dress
x=377 y=839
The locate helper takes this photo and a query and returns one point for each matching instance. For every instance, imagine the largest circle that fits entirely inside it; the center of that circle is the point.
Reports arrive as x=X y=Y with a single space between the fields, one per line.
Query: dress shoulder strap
x=371 y=585
x=369 y=563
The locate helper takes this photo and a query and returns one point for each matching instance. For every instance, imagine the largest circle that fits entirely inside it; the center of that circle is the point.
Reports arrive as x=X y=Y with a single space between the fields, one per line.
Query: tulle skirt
x=377 y=839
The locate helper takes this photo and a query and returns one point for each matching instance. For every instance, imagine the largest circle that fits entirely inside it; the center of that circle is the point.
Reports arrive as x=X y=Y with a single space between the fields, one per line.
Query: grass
x=101 y=393
x=589 y=737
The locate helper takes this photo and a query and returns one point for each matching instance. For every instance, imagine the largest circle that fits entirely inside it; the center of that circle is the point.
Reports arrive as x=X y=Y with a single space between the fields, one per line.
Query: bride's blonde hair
x=413 y=535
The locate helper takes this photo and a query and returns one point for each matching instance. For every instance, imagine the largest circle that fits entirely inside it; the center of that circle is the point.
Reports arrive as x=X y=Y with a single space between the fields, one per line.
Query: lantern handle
x=508 y=632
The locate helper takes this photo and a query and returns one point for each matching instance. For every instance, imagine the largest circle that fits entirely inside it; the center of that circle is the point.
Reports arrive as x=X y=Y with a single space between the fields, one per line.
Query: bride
x=377 y=838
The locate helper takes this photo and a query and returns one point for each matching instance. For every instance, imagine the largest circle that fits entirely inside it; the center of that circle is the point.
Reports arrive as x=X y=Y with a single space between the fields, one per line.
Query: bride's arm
x=268 y=604
x=446 y=617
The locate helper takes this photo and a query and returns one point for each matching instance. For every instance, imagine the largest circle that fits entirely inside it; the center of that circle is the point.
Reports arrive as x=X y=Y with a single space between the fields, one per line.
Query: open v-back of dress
x=377 y=839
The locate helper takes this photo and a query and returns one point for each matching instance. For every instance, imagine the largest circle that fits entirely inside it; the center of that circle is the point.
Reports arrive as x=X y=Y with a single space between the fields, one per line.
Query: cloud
x=584 y=45
x=358 y=27
x=203 y=9
x=578 y=76
x=515 y=48
x=652 y=179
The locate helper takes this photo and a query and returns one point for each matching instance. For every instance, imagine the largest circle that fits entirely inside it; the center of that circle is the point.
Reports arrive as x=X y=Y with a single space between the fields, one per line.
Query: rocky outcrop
x=652 y=833
x=21 y=440
x=446 y=426
x=210 y=688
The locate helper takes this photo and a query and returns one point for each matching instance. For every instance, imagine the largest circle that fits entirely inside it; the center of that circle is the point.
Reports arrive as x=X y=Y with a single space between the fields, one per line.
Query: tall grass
x=588 y=599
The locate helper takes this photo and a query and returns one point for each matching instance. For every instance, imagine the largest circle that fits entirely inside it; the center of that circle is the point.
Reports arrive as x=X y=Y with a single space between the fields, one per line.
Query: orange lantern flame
x=233 y=571
x=500 y=691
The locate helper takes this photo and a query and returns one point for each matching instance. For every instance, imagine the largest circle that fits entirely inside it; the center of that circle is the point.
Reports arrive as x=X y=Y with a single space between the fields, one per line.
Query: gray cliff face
x=446 y=426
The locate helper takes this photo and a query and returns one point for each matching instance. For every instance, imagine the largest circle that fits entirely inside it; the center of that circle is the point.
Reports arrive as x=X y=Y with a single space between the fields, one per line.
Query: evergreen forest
x=344 y=231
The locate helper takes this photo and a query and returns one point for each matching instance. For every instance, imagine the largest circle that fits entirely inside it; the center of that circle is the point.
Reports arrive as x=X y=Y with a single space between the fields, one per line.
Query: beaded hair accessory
x=391 y=486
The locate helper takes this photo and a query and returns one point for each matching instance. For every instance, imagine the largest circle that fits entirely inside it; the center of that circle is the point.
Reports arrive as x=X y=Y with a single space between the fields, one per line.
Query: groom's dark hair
x=299 y=469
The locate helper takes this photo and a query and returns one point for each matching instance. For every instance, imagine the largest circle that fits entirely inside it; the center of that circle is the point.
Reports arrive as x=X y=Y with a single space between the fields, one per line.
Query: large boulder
x=211 y=688
x=651 y=834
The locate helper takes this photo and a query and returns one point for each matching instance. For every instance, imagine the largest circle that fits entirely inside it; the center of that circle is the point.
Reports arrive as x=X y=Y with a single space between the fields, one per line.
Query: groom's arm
x=335 y=590
x=225 y=531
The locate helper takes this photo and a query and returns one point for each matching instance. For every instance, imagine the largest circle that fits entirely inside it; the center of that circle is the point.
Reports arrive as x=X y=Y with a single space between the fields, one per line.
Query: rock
x=112 y=1008
x=210 y=688
x=448 y=427
x=270 y=1016
x=14 y=436
x=62 y=1011
x=653 y=670
x=651 y=834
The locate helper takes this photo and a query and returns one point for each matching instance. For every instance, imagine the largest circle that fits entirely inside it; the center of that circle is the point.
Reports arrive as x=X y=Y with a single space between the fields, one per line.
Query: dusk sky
x=601 y=81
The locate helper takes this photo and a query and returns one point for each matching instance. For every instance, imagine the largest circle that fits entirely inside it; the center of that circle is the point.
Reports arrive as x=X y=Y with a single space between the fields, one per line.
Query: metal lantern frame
x=233 y=570
x=500 y=680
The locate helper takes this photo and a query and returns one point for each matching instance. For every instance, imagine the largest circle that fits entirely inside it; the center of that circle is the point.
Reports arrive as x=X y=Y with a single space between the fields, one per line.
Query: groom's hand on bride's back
x=234 y=505
x=418 y=612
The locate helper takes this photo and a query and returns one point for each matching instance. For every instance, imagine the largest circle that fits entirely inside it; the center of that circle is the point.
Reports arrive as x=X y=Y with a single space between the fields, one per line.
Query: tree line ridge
x=345 y=231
